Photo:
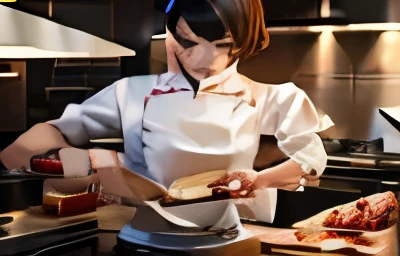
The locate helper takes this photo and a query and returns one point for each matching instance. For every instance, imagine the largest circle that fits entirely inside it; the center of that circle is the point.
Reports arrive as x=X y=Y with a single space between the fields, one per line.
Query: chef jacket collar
x=221 y=83
x=214 y=84
x=170 y=79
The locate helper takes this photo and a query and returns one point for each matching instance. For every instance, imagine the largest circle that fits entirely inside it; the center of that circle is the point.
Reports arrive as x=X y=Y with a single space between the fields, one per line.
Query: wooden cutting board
x=276 y=241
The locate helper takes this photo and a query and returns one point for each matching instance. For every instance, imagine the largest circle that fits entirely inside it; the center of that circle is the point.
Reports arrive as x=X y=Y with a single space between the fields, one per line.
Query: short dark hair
x=244 y=19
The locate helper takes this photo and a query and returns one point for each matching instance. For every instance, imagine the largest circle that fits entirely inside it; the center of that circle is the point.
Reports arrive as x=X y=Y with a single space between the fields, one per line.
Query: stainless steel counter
x=33 y=231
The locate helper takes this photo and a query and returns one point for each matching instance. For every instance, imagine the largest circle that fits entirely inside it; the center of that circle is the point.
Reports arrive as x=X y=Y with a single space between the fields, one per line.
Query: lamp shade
x=25 y=36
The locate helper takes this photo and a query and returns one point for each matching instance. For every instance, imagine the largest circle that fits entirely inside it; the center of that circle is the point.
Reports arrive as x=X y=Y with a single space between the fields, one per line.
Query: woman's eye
x=224 y=45
x=185 y=43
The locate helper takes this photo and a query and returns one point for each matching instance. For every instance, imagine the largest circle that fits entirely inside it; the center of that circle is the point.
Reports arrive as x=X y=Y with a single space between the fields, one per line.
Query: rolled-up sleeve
x=96 y=118
x=291 y=117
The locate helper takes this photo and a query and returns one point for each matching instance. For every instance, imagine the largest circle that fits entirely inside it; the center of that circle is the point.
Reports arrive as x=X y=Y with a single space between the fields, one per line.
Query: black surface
x=390 y=119
x=235 y=248
x=378 y=174
x=124 y=248
x=86 y=246
x=3 y=168
x=6 y=220
x=6 y=138
x=59 y=100
x=27 y=244
x=307 y=22
x=348 y=146
x=296 y=206
x=19 y=194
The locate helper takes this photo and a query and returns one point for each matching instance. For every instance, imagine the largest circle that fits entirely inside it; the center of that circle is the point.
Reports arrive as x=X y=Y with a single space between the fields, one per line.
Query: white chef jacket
x=174 y=135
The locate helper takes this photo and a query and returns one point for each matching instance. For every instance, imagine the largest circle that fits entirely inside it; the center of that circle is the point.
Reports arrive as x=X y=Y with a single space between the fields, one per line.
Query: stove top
x=353 y=146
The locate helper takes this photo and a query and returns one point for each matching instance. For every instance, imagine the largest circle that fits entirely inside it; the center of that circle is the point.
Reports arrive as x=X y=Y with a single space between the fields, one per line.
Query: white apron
x=183 y=136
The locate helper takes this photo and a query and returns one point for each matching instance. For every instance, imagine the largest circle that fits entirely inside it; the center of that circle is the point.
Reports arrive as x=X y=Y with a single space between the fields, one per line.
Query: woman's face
x=199 y=57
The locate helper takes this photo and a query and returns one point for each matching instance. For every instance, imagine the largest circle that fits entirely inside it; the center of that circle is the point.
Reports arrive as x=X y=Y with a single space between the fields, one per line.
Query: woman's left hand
x=239 y=184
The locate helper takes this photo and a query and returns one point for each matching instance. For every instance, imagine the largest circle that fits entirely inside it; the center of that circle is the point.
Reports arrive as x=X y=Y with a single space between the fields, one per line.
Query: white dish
x=203 y=214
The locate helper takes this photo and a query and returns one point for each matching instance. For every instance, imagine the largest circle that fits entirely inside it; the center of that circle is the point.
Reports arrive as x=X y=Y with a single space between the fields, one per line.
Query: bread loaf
x=193 y=189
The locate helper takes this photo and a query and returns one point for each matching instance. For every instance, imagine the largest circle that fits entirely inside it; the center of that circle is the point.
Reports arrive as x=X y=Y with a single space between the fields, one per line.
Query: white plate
x=202 y=214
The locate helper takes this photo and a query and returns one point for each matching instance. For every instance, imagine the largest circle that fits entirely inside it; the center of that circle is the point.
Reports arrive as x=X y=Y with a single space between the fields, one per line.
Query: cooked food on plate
x=372 y=213
x=319 y=236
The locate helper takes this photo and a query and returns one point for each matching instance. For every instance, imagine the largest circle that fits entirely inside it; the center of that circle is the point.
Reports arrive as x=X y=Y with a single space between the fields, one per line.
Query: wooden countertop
x=276 y=241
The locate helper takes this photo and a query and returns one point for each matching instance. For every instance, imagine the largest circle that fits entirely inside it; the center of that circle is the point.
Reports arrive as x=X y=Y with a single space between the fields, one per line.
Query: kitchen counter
x=96 y=233
x=388 y=241
x=32 y=230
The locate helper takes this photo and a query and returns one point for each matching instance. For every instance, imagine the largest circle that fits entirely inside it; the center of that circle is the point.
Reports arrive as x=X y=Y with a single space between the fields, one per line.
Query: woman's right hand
x=238 y=184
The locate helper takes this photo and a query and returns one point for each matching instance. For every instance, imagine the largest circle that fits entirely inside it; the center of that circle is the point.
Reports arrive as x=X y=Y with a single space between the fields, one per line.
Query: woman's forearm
x=283 y=176
x=37 y=140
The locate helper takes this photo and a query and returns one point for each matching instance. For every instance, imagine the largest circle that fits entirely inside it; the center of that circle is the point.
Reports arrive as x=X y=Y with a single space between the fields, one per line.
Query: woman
x=200 y=116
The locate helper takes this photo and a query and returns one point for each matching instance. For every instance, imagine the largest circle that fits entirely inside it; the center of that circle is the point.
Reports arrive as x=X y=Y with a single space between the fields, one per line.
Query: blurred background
x=343 y=53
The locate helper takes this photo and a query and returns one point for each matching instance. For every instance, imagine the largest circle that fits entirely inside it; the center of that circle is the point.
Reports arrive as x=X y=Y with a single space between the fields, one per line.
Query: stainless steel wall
x=348 y=72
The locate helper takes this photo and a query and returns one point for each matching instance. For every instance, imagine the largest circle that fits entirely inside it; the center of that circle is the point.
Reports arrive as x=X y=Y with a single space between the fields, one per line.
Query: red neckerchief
x=156 y=92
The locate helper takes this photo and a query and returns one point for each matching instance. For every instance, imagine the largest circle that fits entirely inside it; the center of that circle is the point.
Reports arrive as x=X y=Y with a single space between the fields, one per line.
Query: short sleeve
x=96 y=118
x=291 y=117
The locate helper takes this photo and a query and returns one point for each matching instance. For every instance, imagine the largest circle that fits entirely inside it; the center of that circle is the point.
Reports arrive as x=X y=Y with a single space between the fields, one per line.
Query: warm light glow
x=386 y=44
x=116 y=140
x=390 y=37
x=331 y=28
x=324 y=28
x=9 y=74
x=326 y=9
x=375 y=26
x=157 y=37
x=8 y=1
x=25 y=52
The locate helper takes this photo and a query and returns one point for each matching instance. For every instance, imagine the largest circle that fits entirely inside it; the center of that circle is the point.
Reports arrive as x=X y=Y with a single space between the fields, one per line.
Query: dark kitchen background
x=347 y=70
